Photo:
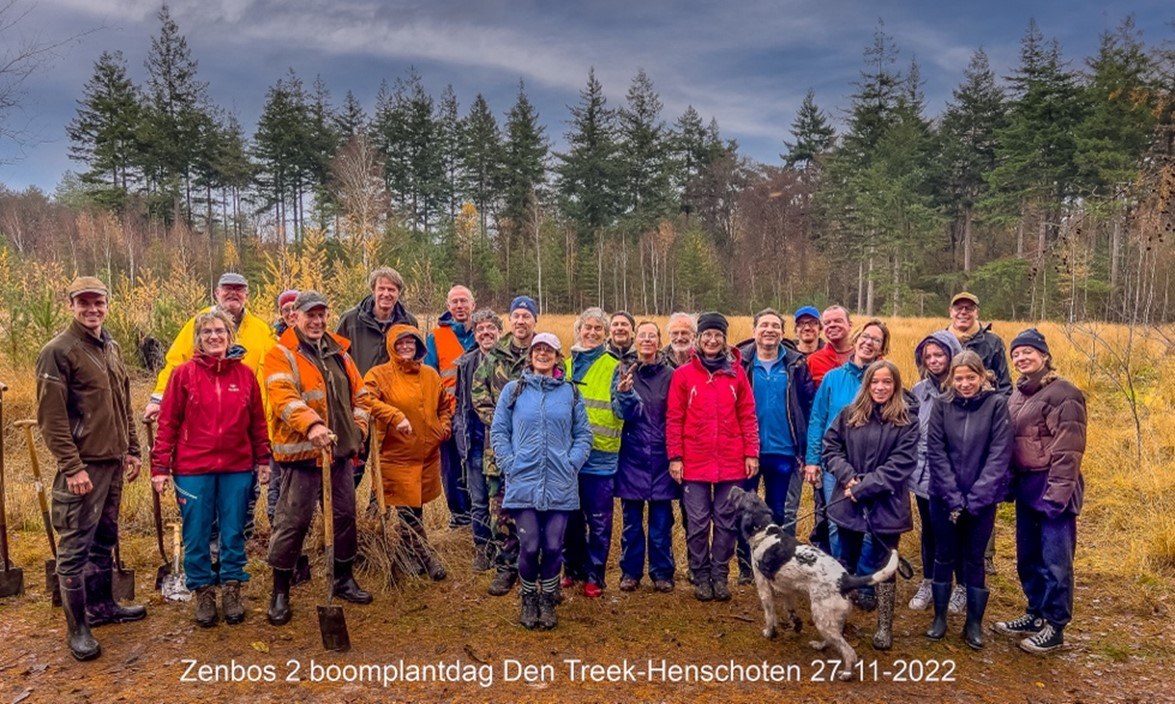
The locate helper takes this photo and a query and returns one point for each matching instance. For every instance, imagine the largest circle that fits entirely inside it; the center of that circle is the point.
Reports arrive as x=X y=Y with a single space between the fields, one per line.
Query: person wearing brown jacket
x=413 y=412
x=1048 y=428
x=84 y=413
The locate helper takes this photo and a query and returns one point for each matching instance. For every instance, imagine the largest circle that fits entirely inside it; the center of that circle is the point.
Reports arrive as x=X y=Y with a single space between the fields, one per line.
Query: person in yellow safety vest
x=452 y=338
x=589 y=531
x=252 y=333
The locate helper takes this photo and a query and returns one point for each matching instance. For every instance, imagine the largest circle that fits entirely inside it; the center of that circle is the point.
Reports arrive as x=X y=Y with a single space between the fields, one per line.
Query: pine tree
x=481 y=159
x=351 y=120
x=589 y=180
x=524 y=158
x=103 y=134
x=812 y=133
x=449 y=140
x=644 y=148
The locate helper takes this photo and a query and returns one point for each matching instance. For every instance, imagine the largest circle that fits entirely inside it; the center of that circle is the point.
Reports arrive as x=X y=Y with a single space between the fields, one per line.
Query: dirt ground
x=1121 y=647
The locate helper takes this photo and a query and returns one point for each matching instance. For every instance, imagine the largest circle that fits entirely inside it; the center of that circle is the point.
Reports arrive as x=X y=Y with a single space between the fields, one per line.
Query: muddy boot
x=346 y=588
x=483 y=557
x=82 y=644
x=427 y=556
x=279 y=603
x=503 y=582
x=883 y=638
x=973 y=628
x=101 y=608
x=529 y=616
x=407 y=553
x=206 y=616
x=547 y=617
x=940 y=593
x=234 y=609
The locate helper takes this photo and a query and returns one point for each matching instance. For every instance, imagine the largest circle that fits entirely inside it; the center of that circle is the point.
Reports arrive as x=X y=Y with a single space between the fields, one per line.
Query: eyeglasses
x=648 y=336
x=712 y=336
x=214 y=332
x=869 y=338
x=808 y=323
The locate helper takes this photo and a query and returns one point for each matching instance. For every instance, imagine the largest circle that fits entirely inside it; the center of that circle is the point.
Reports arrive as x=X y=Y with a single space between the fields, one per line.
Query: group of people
x=531 y=446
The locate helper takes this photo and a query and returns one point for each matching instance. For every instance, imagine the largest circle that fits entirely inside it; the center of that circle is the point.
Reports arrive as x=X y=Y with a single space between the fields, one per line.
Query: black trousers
x=301 y=487
x=87 y=524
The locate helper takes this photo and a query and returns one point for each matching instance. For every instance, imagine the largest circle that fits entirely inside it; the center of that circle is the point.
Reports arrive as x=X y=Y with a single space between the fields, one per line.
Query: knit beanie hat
x=712 y=321
x=1031 y=338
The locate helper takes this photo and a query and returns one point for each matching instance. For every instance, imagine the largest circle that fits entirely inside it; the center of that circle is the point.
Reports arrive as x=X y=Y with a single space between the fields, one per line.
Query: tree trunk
x=967 y=218
x=861 y=285
x=869 y=288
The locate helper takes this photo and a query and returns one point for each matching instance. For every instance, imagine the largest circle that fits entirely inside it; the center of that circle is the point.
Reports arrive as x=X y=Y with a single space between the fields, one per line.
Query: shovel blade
x=175 y=588
x=333 y=625
x=123 y=585
x=161 y=574
x=52 y=586
x=11 y=582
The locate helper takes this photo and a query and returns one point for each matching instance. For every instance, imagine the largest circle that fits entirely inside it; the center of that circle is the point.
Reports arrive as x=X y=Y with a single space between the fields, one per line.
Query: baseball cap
x=308 y=300
x=87 y=284
x=964 y=296
x=546 y=338
x=232 y=278
x=807 y=311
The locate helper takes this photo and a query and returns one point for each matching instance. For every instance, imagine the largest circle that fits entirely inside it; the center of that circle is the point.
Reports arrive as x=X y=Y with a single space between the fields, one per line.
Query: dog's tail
x=849 y=582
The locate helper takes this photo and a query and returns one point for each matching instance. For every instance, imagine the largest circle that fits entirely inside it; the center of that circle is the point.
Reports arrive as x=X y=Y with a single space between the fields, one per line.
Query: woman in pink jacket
x=712 y=435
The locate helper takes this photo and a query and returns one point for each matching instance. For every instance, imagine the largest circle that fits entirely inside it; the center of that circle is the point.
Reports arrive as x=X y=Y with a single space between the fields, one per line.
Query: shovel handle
x=328 y=516
x=156 y=508
x=377 y=484
x=27 y=427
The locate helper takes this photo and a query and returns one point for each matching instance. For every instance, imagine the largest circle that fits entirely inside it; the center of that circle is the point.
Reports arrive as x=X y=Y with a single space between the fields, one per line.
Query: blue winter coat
x=837 y=390
x=643 y=466
x=969 y=450
x=927 y=392
x=541 y=439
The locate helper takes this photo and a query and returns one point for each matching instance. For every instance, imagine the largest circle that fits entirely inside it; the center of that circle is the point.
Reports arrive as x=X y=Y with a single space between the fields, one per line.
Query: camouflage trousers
x=504 y=534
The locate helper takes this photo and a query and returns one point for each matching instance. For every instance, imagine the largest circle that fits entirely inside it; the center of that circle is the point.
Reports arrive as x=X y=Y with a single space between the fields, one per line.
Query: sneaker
x=1046 y=641
x=529 y=615
x=703 y=590
x=958 y=603
x=1025 y=625
x=628 y=584
x=592 y=590
x=566 y=582
x=462 y=520
x=921 y=599
x=721 y=590
x=663 y=585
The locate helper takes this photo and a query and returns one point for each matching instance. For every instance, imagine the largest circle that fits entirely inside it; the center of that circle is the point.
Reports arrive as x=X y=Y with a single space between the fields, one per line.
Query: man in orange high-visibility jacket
x=317 y=400
x=452 y=338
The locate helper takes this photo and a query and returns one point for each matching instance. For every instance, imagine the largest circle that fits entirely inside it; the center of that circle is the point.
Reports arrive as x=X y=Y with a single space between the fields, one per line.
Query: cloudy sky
x=747 y=63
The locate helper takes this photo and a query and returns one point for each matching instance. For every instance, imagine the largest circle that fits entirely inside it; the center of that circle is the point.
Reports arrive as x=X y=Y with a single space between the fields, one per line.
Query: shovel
x=174 y=584
x=331 y=620
x=122 y=580
x=51 y=584
x=377 y=476
x=11 y=578
x=164 y=570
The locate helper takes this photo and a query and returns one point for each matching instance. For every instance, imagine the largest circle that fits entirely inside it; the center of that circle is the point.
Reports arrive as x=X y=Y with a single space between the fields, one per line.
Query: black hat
x=712 y=321
x=1031 y=338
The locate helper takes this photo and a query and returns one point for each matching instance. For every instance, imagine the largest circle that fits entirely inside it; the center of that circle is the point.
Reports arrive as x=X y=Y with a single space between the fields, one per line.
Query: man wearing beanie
x=285 y=311
x=84 y=413
x=502 y=365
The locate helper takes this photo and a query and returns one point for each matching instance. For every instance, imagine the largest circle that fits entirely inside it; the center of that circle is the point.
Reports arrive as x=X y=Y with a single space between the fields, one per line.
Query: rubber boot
x=279 y=604
x=883 y=638
x=346 y=588
x=940 y=593
x=973 y=628
x=101 y=608
x=82 y=644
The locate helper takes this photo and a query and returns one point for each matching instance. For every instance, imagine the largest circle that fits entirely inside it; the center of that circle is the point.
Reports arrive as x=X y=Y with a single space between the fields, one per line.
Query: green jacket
x=84 y=400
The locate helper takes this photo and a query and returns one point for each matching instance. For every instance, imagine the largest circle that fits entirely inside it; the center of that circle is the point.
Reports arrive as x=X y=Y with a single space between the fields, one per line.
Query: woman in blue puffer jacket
x=541 y=439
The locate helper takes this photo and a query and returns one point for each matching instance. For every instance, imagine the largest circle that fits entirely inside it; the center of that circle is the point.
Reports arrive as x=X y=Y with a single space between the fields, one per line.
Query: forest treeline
x=1047 y=191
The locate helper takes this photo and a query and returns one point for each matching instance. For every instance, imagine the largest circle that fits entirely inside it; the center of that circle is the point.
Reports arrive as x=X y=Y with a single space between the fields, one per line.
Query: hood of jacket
x=945 y=339
x=400 y=330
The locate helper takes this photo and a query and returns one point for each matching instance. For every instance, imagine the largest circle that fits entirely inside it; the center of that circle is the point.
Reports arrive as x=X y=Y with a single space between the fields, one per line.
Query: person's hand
x=404 y=427
x=811 y=473
x=133 y=466
x=263 y=474
x=626 y=379
x=752 y=466
x=849 y=489
x=159 y=483
x=79 y=484
x=320 y=436
x=955 y=515
x=151 y=412
x=676 y=468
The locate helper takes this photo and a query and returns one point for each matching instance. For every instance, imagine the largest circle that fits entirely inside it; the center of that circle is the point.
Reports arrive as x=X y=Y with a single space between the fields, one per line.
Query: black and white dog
x=792 y=569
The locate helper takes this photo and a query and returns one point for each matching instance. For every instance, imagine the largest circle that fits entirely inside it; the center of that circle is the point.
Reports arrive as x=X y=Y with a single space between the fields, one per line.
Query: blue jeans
x=828 y=485
x=479 y=498
x=222 y=497
x=456 y=494
x=589 y=530
x=1044 y=561
x=660 y=539
x=777 y=472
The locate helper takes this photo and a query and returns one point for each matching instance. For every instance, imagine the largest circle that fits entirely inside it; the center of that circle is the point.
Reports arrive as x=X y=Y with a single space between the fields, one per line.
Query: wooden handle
x=328 y=516
x=27 y=427
x=377 y=478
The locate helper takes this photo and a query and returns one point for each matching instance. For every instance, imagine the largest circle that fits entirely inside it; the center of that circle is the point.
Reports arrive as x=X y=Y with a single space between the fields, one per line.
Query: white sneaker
x=958 y=602
x=922 y=598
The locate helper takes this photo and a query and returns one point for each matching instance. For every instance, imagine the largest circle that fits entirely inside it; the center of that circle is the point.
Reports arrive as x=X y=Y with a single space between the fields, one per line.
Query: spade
x=11 y=578
x=51 y=584
x=331 y=620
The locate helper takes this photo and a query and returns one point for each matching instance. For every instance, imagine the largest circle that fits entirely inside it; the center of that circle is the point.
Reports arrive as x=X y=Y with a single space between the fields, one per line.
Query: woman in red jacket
x=212 y=437
x=712 y=435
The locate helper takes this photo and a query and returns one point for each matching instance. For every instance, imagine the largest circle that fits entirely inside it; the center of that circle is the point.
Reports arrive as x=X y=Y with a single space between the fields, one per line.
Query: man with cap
x=502 y=365
x=452 y=338
x=318 y=401
x=808 y=329
x=838 y=328
x=973 y=335
x=84 y=413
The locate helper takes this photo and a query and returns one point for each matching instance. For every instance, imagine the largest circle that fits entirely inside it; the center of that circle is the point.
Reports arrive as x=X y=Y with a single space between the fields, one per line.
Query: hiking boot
x=529 y=617
x=547 y=618
x=345 y=586
x=1023 y=626
x=883 y=637
x=941 y=596
x=922 y=598
x=503 y=583
x=628 y=584
x=483 y=557
x=721 y=589
x=592 y=590
x=973 y=628
x=663 y=585
x=279 y=613
x=234 y=610
x=101 y=608
x=206 y=616
x=432 y=565
x=82 y=644
x=703 y=590
x=1046 y=641
x=958 y=601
